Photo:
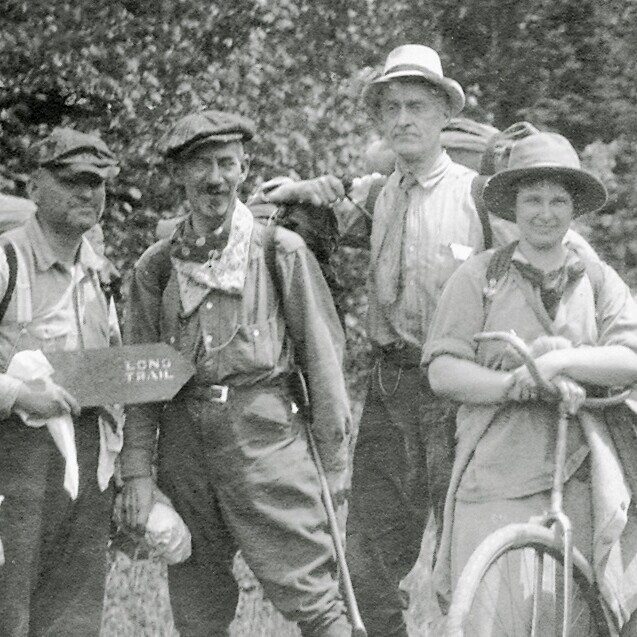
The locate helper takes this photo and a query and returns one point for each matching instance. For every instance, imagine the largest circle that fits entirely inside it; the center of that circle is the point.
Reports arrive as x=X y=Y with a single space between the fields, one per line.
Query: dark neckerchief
x=552 y=284
x=187 y=245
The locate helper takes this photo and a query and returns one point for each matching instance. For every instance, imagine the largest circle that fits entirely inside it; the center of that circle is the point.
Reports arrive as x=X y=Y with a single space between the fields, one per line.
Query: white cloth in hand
x=32 y=366
x=167 y=534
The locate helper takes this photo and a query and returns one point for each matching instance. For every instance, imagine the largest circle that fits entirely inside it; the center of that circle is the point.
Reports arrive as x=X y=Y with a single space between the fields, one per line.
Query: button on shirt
x=244 y=340
x=67 y=308
x=442 y=228
x=515 y=455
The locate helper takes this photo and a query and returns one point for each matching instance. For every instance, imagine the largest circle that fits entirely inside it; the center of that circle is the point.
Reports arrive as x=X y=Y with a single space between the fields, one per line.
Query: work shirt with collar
x=64 y=309
x=515 y=455
x=442 y=229
x=244 y=339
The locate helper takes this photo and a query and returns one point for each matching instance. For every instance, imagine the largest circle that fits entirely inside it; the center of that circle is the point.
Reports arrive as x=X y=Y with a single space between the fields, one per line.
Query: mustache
x=214 y=190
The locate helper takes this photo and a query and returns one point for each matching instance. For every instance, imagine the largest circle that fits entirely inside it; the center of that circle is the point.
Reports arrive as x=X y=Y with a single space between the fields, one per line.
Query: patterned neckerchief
x=550 y=284
x=214 y=262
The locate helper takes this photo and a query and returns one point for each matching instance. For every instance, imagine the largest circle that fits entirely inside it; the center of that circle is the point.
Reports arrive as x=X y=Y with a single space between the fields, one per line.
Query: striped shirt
x=442 y=229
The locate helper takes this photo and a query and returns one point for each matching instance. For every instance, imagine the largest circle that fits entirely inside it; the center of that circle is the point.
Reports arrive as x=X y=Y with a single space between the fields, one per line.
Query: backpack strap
x=370 y=202
x=476 y=192
x=499 y=263
x=269 y=251
x=595 y=276
x=501 y=260
x=12 y=262
x=496 y=270
x=477 y=186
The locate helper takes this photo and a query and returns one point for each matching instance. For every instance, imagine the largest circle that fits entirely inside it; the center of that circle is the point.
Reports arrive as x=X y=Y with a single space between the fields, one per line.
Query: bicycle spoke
x=521 y=592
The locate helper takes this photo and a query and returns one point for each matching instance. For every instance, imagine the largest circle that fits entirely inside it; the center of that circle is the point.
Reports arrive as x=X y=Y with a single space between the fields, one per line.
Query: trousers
x=241 y=476
x=52 y=584
x=402 y=467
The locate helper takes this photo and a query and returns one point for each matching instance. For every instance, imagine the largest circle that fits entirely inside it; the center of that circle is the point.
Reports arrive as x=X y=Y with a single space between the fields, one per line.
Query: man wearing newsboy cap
x=239 y=301
x=55 y=518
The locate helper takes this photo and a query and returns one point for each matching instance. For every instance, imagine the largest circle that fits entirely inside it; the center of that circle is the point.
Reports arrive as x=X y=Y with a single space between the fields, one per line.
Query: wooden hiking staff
x=358 y=628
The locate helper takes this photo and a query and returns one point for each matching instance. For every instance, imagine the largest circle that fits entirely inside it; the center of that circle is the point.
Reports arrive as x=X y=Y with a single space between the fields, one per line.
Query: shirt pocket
x=449 y=258
x=53 y=331
x=252 y=349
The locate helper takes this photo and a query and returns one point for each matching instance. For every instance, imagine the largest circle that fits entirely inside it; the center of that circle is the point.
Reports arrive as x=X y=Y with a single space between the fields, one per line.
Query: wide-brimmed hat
x=76 y=152
x=414 y=60
x=205 y=127
x=544 y=156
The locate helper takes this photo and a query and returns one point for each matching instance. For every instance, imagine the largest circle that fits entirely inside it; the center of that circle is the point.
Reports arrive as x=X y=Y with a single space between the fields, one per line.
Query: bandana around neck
x=208 y=265
x=550 y=284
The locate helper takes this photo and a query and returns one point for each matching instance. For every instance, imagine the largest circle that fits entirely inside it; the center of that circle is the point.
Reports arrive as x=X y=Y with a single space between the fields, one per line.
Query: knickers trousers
x=402 y=466
x=241 y=476
x=52 y=583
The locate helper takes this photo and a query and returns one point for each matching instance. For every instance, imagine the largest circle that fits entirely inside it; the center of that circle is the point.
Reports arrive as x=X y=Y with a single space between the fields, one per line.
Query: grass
x=137 y=602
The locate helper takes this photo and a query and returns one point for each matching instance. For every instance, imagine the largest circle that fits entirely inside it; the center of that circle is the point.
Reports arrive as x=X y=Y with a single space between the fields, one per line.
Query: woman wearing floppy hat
x=580 y=320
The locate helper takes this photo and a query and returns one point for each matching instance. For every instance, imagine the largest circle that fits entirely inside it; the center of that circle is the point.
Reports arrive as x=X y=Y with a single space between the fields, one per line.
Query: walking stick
x=358 y=628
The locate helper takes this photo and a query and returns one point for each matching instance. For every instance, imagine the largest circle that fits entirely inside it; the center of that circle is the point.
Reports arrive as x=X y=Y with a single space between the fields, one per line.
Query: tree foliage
x=127 y=69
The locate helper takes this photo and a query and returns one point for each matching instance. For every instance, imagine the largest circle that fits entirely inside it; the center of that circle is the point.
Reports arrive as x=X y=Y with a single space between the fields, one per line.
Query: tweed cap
x=204 y=127
x=75 y=151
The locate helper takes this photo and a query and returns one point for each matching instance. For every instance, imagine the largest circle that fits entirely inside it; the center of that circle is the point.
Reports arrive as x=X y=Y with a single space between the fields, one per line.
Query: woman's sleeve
x=616 y=311
x=459 y=314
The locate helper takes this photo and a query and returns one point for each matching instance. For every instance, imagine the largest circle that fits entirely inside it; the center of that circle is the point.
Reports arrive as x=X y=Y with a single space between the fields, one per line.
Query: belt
x=399 y=353
x=211 y=393
x=221 y=394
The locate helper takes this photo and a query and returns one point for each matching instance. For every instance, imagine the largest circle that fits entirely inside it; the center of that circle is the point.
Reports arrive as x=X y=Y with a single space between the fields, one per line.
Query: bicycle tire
x=592 y=620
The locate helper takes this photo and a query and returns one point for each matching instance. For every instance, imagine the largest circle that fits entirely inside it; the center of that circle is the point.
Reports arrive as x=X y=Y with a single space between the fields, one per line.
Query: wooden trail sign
x=125 y=375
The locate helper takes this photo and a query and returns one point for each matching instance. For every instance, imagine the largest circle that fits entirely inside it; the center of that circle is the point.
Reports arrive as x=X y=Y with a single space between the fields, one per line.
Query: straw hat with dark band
x=418 y=61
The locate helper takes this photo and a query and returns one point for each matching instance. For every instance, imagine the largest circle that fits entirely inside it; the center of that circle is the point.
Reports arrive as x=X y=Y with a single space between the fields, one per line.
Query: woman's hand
x=522 y=387
x=572 y=394
x=549 y=365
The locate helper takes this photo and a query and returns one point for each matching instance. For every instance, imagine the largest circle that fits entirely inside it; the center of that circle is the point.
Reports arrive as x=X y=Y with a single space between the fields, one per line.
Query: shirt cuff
x=135 y=463
x=450 y=346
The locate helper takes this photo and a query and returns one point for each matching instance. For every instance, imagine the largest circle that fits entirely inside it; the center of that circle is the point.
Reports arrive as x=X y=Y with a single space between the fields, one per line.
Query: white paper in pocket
x=460 y=251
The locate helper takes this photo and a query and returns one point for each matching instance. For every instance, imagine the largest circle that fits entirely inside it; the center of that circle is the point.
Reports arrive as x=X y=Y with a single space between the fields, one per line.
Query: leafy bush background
x=129 y=68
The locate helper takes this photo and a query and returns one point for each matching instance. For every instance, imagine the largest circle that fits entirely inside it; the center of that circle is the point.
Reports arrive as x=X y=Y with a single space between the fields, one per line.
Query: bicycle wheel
x=496 y=593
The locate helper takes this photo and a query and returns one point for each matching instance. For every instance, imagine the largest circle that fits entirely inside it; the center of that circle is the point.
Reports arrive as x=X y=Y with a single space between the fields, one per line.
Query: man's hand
x=320 y=191
x=137 y=500
x=45 y=399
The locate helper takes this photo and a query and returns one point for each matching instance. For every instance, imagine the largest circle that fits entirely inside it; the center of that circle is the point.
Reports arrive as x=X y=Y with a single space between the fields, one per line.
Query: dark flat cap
x=76 y=151
x=204 y=127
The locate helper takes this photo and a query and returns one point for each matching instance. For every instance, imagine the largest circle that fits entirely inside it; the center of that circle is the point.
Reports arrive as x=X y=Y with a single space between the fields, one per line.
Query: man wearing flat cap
x=232 y=450
x=55 y=530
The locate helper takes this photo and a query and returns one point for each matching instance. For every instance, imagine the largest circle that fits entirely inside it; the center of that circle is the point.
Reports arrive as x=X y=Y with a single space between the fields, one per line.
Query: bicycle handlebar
x=523 y=350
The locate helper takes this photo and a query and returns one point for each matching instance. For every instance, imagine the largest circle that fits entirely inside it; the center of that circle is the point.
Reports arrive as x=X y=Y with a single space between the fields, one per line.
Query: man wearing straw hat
x=425 y=224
